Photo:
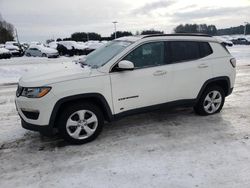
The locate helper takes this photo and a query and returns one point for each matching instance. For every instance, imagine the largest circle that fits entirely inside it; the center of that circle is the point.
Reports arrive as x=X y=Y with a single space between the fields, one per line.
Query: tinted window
x=187 y=50
x=150 y=54
x=33 y=49
x=183 y=51
x=205 y=49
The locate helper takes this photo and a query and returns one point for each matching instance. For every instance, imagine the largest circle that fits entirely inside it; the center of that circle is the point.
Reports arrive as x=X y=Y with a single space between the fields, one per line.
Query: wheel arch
x=223 y=82
x=94 y=98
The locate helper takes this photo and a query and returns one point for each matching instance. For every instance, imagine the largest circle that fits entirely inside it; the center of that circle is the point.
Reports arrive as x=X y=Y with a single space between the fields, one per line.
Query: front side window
x=147 y=55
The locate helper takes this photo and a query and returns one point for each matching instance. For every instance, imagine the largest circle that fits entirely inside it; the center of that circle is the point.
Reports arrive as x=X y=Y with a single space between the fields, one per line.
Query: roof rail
x=179 y=34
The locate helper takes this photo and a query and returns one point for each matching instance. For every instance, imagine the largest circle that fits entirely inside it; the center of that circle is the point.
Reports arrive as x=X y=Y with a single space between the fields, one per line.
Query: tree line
x=182 y=28
x=211 y=29
x=84 y=36
x=235 y=30
x=6 y=31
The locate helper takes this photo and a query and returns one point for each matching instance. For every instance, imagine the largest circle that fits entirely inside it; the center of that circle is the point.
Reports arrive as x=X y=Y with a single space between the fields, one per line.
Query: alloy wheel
x=81 y=124
x=212 y=102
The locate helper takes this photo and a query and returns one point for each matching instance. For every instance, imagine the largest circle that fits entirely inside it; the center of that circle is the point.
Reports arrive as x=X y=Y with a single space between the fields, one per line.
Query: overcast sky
x=38 y=20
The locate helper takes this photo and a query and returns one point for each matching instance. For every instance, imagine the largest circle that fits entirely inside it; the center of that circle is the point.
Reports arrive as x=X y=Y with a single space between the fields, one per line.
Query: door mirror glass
x=125 y=65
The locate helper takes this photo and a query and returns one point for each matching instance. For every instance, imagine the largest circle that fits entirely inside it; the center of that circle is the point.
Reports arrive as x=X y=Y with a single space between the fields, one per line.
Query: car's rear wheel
x=81 y=123
x=211 y=101
x=28 y=54
x=44 y=55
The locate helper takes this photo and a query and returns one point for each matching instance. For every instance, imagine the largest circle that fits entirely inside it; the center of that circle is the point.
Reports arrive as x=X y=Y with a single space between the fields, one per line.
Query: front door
x=146 y=85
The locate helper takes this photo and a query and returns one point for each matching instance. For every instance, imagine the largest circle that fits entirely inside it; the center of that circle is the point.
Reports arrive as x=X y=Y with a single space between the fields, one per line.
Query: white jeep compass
x=126 y=76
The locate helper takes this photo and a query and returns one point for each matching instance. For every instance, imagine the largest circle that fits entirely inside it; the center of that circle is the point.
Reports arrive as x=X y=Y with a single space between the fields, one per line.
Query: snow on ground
x=166 y=148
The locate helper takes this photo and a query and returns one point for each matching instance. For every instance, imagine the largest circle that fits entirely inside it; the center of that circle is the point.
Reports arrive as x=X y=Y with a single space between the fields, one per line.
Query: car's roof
x=130 y=38
x=177 y=36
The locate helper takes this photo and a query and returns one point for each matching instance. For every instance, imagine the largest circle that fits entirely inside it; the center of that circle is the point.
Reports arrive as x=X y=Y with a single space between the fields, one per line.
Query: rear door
x=191 y=68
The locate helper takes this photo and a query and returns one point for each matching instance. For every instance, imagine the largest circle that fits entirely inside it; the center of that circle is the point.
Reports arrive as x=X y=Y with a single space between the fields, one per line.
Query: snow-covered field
x=12 y=69
x=174 y=148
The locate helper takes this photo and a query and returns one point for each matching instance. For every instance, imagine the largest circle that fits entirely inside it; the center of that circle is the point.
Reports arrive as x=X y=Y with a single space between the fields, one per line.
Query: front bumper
x=15 y=53
x=5 y=55
x=44 y=129
x=230 y=91
x=36 y=112
x=52 y=55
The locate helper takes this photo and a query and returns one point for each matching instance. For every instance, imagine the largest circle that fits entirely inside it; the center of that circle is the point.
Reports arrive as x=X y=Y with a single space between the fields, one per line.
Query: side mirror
x=125 y=65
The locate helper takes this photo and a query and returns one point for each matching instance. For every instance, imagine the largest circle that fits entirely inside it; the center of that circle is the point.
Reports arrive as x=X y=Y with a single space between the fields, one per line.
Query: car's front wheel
x=81 y=123
x=211 y=101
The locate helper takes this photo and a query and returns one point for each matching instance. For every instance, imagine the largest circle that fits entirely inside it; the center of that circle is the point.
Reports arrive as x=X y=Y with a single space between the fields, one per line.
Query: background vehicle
x=4 y=53
x=70 y=48
x=241 y=41
x=41 y=51
x=14 y=48
x=92 y=46
x=53 y=45
x=224 y=40
x=129 y=75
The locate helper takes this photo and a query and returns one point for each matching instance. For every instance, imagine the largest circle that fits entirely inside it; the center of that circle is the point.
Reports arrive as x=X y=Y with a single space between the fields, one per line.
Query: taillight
x=233 y=62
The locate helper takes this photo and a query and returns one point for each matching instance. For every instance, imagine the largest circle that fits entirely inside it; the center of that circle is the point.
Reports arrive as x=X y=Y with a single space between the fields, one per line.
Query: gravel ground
x=166 y=148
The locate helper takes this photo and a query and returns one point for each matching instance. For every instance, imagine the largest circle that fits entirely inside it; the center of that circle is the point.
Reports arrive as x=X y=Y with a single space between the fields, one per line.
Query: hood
x=95 y=45
x=56 y=73
x=4 y=51
x=66 y=44
x=48 y=50
x=53 y=45
x=80 y=47
x=11 y=47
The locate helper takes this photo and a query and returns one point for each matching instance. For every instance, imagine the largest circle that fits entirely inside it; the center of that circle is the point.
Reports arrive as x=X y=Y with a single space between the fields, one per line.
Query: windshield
x=105 y=53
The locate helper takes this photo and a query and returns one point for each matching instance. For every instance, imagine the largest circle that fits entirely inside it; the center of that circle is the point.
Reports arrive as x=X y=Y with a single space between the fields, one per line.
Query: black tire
x=44 y=55
x=28 y=55
x=69 y=111
x=199 y=108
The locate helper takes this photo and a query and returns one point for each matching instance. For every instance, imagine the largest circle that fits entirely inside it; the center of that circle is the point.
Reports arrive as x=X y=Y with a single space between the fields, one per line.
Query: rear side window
x=205 y=49
x=183 y=51
x=33 y=49
x=187 y=50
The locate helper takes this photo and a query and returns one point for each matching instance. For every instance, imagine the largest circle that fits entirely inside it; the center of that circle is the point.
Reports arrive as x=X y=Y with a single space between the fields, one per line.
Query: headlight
x=35 y=92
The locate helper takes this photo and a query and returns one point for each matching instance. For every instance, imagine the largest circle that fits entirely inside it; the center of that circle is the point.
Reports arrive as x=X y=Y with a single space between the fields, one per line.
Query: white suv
x=126 y=76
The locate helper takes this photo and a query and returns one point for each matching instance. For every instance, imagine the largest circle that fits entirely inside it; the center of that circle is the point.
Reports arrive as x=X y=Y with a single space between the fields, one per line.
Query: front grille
x=19 y=91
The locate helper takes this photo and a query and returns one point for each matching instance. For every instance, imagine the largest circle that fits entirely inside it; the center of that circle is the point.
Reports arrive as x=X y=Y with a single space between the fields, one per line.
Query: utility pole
x=17 y=36
x=245 y=29
x=115 y=22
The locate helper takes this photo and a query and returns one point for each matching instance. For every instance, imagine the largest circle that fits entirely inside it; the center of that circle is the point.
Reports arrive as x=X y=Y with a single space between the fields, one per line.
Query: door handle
x=201 y=66
x=159 y=73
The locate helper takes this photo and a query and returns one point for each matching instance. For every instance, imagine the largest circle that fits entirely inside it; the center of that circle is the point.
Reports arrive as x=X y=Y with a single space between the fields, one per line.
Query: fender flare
x=64 y=100
x=221 y=78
